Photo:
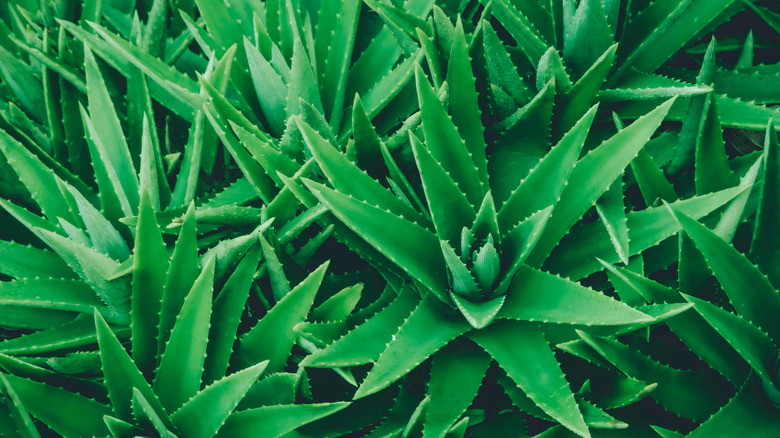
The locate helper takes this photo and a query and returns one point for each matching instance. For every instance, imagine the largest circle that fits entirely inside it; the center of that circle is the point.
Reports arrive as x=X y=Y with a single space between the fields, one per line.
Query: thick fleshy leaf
x=511 y=343
x=591 y=177
x=763 y=249
x=689 y=394
x=366 y=342
x=612 y=213
x=254 y=346
x=749 y=290
x=445 y=143
x=538 y=296
x=407 y=244
x=21 y=418
x=178 y=376
x=121 y=374
x=456 y=375
x=422 y=334
x=204 y=414
x=275 y=421
x=748 y=410
x=712 y=170
x=65 y=412
x=749 y=341
x=479 y=314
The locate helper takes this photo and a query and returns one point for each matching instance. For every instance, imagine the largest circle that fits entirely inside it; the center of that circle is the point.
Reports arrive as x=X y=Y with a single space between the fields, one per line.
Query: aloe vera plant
x=388 y=218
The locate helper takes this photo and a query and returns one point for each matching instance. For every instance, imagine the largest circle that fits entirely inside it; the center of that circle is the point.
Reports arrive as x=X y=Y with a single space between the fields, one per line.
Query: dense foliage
x=386 y=218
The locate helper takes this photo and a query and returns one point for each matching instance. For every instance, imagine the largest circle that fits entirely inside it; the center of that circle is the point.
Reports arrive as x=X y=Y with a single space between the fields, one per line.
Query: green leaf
x=65 y=412
x=543 y=186
x=206 y=412
x=122 y=376
x=270 y=88
x=612 y=213
x=445 y=143
x=748 y=289
x=449 y=207
x=748 y=407
x=339 y=306
x=763 y=249
x=478 y=314
x=712 y=169
x=254 y=347
x=591 y=177
x=755 y=346
x=456 y=375
x=465 y=112
x=104 y=237
x=226 y=315
x=181 y=275
x=70 y=295
x=587 y=36
x=422 y=334
x=21 y=261
x=19 y=414
x=500 y=68
x=150 y=266
x=563 y=302
x=688 y=394
x=521 y=29
x=366 y=342
x=408 y=245
x=179 y=374
x=576 y=256
x=275 y=421
x=511 y=343
x=109 y=131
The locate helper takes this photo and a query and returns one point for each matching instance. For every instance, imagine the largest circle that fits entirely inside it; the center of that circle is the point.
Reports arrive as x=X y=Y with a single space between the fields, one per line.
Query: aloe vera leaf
x=592 y=175
x=109 y=130
x=278 y=322
x=511 y=160
x=178 y=376
x=402 y=24
x=365 y=343
x=69 y=334
x=445 y=143
x=262 y=183
x=218 y=400
x=712 y=171
x=401 y=181
x=612 y=213
x=280 y=286
x=39 y=180
x=521 y=29
x=379 y=96
x=22 y=261
x=748 y=407
x=65 y=412
x=688 y=394
x=762 y=248
x=21 y=418
x=646 y=228
x=752 y=344
x=456 y=375
x=582 y=305
x=581 y=96
x=121 y=373
x=177 y=91
x=463 y=281
x=270 y=88
x=500 y=68
x=408 y=245
x=350 y=180
x=518 y=244
x=749 y=290
x=670 y=25
x=339 y=306
x=690 y=327
x=337 y=59
x=144 y=413
x=68 y=295
x=545 y=183
x=302 y=82
x=104 y=237
x=153 y=40
x=464 y=107
x=587 y=36
x=747 y=86
x=150 y=266
x=651 y=180
x=449 y=207
x=275 y=421
x=226 y=315
x=272 y=390
x=421 y=335
x=551 y=68
x=117 y=427
x=26 y=86
x=368 y=155
x=94 y=268
x=541 y=379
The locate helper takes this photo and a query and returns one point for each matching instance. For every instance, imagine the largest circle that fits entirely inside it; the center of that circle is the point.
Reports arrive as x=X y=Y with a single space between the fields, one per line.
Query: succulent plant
x=388 y=218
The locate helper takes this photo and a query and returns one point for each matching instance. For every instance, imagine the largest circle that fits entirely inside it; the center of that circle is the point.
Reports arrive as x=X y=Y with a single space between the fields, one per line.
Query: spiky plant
x=178 y=176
